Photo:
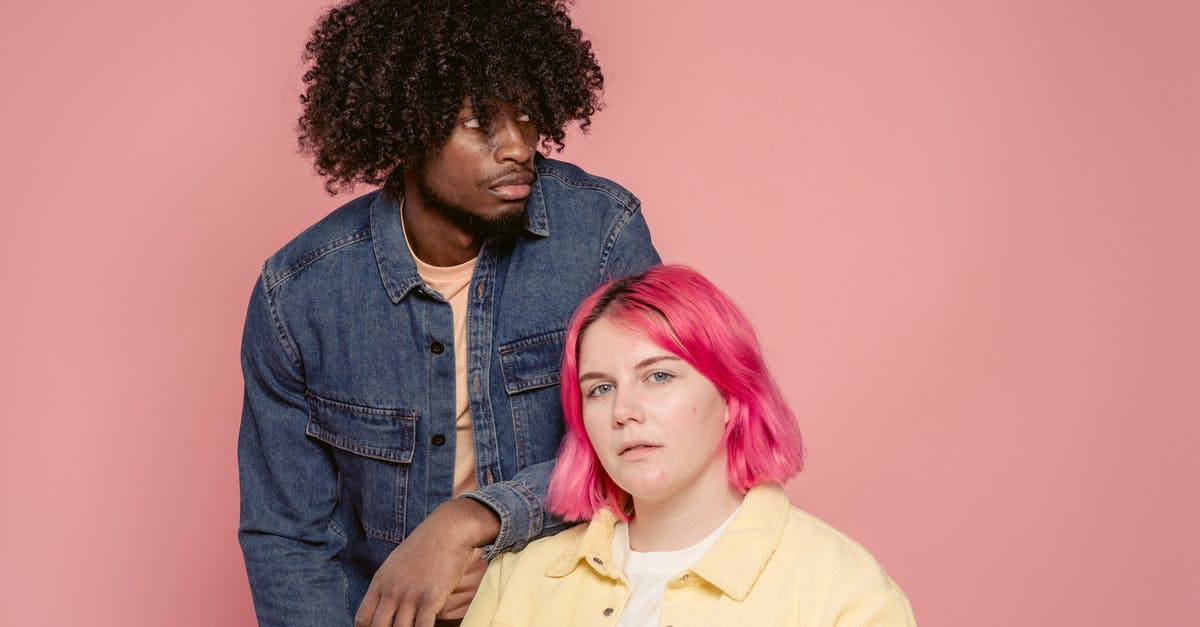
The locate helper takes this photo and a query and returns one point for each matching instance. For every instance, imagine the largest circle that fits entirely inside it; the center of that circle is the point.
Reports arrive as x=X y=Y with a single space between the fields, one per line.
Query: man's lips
x=514 y=186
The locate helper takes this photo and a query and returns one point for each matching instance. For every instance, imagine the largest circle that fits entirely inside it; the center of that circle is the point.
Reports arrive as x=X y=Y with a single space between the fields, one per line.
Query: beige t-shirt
x=451 y=282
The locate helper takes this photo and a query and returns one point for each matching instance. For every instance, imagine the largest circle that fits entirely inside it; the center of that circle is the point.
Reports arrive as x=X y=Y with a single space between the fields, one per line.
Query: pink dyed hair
x=683 y=312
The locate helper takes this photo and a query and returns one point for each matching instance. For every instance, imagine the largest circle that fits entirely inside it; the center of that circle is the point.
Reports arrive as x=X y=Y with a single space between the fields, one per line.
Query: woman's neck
x=681 y=520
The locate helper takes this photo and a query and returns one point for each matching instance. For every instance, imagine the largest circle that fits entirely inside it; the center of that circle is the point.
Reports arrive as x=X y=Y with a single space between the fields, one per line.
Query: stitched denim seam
x=512 y=373
x=531 y=508
x=618 y=227
x=285 y=339
x=318 y=429
x=357 y=236
x=363 y=409
x=605 y=188
x=540 y=338
x=337 y=531
x=502 y=541
x=400 y=513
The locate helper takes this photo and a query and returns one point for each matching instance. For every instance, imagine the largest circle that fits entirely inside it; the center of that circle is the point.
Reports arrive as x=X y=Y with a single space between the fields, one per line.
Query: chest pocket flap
x=384 y=434
x=532 y=362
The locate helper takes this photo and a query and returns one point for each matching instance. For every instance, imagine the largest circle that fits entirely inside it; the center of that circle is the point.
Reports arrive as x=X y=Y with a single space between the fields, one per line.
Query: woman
x=677 y=443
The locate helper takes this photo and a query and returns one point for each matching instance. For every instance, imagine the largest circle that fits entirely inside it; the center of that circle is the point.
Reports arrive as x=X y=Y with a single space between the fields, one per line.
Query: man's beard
x=502 y=227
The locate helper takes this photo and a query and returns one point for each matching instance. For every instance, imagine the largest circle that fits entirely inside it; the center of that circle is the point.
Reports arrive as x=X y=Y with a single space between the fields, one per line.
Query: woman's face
x=656 y=423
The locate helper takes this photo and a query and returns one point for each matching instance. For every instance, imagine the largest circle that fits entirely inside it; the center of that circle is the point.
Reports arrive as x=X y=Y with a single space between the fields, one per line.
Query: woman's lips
x=638 y=451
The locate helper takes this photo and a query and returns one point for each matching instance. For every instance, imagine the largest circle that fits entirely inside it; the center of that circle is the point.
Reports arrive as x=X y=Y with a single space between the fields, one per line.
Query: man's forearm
x=478 y=524
x=520 y=504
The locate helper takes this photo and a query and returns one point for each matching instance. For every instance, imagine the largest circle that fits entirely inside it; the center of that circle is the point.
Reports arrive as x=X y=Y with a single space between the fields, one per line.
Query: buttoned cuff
x=520 y=513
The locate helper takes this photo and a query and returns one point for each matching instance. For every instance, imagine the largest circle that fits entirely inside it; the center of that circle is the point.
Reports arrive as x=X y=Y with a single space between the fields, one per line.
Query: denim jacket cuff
x=520 y=512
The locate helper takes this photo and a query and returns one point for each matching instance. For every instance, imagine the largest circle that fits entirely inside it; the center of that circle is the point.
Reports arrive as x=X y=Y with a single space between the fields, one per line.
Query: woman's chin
x=648 y=489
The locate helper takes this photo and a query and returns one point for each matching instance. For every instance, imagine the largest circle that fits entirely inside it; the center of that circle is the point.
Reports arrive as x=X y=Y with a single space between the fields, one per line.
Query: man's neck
x=433 y=238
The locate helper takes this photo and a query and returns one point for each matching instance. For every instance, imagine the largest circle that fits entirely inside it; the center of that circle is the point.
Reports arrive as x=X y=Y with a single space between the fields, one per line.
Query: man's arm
x=288 y=486
x=443 y=544
x=520 y=502
x=413 y=583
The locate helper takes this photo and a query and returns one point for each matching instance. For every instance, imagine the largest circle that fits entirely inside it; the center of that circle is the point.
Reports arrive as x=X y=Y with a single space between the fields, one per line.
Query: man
x=404 y=350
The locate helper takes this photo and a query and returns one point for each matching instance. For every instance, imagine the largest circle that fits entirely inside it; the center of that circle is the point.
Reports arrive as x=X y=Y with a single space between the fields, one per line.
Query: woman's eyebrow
x=641 y=364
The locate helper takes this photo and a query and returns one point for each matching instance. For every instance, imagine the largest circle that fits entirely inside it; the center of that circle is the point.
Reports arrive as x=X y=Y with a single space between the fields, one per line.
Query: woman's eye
x=661 y=377
x=524 y=117
x=599 y=390
x=471 y=123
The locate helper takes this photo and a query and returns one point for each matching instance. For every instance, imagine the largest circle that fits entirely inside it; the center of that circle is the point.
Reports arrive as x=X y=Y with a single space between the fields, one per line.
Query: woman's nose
x=627 y=408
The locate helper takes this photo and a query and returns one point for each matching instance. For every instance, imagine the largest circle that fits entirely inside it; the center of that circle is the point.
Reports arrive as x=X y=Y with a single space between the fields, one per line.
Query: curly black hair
x=386 y=79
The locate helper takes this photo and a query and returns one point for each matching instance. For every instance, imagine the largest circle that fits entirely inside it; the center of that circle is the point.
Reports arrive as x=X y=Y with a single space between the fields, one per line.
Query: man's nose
x=509 y=142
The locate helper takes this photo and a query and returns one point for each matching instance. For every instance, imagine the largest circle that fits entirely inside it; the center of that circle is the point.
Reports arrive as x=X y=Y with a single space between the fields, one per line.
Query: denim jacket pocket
x=373 y=447
x=531 y=375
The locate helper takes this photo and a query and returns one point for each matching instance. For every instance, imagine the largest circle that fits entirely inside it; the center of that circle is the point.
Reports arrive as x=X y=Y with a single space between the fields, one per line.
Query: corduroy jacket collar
x=733 y=563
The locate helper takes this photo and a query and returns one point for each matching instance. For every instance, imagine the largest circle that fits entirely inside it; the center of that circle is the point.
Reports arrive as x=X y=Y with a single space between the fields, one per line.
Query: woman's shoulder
x=809 y=530
x=768 y=509
x=825 y=556
x=844 y=572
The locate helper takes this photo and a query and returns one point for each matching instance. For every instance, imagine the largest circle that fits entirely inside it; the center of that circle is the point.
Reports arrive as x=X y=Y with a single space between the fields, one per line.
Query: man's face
x=479 y=180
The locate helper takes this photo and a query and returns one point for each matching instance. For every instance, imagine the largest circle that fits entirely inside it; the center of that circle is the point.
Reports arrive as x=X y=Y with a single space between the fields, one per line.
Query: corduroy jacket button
x=608 y=611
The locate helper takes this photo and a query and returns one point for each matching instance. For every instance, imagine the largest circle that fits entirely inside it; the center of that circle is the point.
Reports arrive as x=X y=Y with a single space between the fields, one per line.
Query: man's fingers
x=426 y=614
x=366 y=610
x=475 y=570
x=456 y=606
x=390 y=614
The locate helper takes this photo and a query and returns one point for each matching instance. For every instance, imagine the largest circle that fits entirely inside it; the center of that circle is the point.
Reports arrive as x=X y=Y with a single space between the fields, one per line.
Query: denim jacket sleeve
x=520 y=502
x=288 y=486
x=632 y=251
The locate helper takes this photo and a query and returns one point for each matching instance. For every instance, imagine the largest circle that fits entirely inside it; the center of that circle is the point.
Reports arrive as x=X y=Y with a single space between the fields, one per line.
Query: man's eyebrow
x=649 y=361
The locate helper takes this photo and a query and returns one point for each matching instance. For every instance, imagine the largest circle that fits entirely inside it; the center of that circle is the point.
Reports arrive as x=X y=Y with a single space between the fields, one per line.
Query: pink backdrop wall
x=968 y=233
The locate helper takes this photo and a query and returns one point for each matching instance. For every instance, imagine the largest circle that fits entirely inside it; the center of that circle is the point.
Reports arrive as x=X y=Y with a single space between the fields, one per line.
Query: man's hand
x=460 y=598
x=416 y=580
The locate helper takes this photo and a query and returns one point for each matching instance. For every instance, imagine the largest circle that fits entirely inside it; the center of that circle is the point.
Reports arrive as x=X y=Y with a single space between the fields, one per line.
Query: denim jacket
x=347 y=436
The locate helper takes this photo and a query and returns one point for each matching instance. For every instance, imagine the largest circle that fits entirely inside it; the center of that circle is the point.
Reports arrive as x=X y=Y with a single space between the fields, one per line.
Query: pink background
x=967 y=232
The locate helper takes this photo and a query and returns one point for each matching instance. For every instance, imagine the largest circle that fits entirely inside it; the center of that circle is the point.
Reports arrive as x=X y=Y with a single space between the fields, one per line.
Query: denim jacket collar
x=396 y=267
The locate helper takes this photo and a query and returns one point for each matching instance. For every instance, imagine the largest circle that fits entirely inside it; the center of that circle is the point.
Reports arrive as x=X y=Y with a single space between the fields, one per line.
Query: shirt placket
x=480 y=309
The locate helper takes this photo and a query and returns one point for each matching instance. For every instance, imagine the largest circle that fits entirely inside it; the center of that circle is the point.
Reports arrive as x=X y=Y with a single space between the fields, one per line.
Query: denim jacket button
x=436 y=348
x=438 y=439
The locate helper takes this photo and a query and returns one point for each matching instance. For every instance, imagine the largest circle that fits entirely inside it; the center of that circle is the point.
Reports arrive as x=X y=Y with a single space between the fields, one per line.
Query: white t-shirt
x=649 y=572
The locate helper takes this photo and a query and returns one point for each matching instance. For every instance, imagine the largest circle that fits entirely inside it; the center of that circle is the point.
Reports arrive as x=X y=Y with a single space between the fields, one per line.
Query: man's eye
x=600 y=390
x=471 y=123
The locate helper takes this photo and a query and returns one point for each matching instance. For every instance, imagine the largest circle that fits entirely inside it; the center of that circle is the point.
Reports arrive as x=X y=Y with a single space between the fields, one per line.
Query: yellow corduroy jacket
x=773 y=565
